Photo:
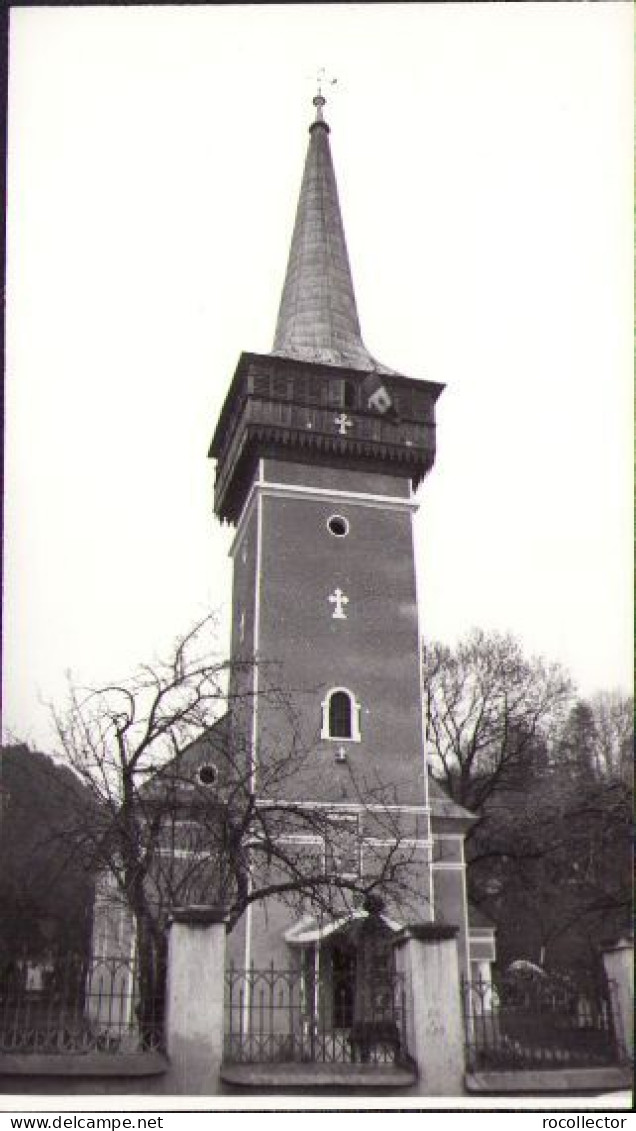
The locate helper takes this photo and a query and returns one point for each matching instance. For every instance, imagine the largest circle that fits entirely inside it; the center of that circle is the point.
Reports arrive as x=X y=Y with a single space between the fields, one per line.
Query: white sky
x=483 y=155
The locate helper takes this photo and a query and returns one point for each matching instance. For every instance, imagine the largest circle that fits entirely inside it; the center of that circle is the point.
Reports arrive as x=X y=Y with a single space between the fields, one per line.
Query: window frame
x=355 y=708
x=204 y=768
x=338 y=518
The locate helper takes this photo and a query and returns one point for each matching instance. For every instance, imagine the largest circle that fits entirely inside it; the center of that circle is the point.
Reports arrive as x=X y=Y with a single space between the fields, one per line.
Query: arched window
x=340 y=716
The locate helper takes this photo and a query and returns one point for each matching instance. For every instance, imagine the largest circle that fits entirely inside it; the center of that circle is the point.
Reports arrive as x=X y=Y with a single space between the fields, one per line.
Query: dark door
x=344 y=983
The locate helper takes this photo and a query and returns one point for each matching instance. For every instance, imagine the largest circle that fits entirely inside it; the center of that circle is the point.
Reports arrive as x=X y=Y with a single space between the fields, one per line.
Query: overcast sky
x=483 y=155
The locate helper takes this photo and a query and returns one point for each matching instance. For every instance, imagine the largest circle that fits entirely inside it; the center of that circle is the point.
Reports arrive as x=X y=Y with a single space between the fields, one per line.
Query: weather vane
x=322 y=78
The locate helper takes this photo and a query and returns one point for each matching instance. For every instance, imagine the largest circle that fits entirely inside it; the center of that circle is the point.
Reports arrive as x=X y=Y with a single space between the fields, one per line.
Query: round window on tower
x=338 y=526
x=208 y=774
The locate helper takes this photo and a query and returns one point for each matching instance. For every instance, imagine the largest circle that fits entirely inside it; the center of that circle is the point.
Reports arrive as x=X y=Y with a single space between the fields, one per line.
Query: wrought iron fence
x=77 y=1005
x=300 y=1016
x=549 y=1023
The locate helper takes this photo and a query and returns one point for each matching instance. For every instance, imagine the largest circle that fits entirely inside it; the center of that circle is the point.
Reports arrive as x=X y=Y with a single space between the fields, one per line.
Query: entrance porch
x=340 y=1001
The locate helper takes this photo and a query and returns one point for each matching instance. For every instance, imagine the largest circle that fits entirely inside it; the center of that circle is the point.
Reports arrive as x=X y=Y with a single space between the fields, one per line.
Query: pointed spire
x=318 y=318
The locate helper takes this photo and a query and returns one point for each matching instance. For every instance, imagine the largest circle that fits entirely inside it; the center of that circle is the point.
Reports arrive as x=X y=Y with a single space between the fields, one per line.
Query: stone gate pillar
x=427 y=955
x=618 y=961
x=194 y=999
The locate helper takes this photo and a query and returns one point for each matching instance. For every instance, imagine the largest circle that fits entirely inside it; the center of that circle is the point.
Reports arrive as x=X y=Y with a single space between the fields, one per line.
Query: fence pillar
x=194 y=999
x=618 y=961
x=427 y=955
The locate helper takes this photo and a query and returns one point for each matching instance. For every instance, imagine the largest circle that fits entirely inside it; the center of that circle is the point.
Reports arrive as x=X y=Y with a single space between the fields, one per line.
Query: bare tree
x=613 y=714
x=552 y=866
x=549 y=857
x=185 y=811
x=490 y=712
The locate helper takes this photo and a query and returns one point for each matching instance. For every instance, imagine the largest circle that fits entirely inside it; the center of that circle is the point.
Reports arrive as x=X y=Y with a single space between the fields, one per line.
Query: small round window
x=208 y=774
x=338 y=525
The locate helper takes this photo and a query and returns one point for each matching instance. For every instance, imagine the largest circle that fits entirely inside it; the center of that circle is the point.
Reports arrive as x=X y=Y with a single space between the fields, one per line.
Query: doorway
x=343 y=979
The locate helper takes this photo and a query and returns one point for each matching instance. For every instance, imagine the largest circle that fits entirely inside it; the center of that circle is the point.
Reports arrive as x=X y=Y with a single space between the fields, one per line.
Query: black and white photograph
x=316 y=776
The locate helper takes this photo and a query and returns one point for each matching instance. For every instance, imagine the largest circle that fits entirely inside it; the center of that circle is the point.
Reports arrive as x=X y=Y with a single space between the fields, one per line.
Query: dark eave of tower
x=284 y=408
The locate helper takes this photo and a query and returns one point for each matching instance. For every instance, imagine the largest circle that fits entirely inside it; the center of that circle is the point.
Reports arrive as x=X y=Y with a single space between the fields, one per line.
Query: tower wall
x=287 y=564
x=287 y=567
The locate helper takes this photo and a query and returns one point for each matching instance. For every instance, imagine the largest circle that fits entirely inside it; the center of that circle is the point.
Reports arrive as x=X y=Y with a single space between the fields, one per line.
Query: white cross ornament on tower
x=338 y=599
x=343 y=423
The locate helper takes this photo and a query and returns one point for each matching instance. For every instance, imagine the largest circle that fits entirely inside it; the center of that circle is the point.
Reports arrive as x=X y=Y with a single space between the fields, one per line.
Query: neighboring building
x=319 y=451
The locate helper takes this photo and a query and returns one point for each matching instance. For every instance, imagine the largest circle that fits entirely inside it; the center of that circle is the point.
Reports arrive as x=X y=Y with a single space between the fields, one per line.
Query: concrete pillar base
x=618 y=961
x=427 y=955
x=194 y=999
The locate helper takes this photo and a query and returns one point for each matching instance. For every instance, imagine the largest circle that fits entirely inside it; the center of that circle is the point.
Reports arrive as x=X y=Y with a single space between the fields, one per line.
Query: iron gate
x=300 y=1015
x=549 y=1023
x=73 y=1004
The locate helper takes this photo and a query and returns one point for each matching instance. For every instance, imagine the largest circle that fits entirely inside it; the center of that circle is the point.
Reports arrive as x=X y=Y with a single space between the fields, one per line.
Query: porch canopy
x=310 y=929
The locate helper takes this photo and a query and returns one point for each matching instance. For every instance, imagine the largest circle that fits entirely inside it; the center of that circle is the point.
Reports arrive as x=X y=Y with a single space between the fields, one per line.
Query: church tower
x=319 y=450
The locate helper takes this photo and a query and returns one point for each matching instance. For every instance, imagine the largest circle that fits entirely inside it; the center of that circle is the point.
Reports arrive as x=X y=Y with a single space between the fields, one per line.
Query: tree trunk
x=151 y=980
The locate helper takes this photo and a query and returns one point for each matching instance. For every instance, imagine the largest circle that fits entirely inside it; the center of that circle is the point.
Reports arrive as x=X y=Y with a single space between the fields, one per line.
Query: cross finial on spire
x=319 y=102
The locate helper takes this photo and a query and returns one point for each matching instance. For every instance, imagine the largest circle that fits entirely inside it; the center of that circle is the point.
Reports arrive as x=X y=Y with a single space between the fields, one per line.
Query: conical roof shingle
x=318 y=318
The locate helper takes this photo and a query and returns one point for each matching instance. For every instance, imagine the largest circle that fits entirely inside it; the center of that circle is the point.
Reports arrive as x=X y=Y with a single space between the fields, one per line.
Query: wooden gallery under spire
x=319 y=451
